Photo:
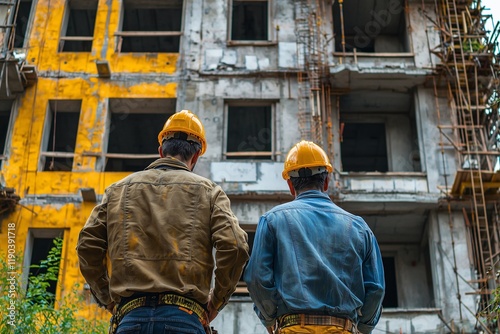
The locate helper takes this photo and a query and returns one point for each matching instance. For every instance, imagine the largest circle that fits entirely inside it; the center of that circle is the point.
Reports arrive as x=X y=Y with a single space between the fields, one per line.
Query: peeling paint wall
x=52 y=200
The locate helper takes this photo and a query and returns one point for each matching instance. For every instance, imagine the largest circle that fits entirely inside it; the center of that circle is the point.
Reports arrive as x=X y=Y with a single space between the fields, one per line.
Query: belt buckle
x=152 y=300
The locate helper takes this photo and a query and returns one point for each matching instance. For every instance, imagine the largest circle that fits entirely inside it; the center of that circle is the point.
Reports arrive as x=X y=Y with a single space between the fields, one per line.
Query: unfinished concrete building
x=402 y=94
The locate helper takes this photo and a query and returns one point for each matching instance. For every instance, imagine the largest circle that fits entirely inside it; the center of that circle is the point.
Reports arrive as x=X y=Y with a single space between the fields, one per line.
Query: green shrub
x=36 y=310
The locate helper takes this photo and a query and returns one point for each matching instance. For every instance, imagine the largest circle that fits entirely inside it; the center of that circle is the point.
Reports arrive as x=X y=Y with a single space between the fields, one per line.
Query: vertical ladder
x=303 y=35
x=464 y=35
x=310 y=58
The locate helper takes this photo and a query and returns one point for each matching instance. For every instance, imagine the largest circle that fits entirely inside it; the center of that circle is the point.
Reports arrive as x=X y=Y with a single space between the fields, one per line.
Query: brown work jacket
x=158 y=229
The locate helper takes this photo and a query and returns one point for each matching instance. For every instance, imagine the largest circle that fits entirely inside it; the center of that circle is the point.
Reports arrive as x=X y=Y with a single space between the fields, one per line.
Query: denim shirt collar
x=313 y=194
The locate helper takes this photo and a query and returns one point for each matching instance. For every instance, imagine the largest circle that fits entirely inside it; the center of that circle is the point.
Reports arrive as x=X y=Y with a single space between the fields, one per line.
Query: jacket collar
x=169 y=163
x=313 y=194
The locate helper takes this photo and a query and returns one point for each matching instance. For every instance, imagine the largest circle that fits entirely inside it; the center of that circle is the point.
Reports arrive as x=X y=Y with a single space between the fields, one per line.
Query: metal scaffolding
x=470 y=67
x=314 y=112
x=15 y=73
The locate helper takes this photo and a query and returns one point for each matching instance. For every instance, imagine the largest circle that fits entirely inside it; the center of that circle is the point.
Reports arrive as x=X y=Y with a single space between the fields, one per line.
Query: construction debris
x=8 y=199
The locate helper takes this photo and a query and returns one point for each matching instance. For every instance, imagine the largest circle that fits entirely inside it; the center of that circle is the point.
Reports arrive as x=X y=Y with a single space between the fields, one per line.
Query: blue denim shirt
x=310 y=256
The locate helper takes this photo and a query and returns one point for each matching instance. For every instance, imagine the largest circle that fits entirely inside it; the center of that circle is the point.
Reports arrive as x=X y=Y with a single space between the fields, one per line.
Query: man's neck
x=179 y=158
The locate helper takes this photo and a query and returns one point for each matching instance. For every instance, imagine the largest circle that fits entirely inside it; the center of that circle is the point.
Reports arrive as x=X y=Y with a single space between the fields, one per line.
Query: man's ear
x=290 y=186
x=160 y=151
x=325 y=184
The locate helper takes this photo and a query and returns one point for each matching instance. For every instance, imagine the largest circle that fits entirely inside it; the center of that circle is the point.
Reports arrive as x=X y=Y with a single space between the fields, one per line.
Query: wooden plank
x=462 y=181
x=486 y=185
x=481 y=280
x=120 y=155
x=480 y=292
x=91 y=154
x=375 y=54
x=57 y=154
x=131 y=156
x=147 y=33
x=461 y=127
x=250 y=153
x=77 y=38
x=481 y=152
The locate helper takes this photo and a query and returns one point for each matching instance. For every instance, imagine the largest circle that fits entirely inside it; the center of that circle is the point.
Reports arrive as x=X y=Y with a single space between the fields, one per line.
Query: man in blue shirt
x=314 y=268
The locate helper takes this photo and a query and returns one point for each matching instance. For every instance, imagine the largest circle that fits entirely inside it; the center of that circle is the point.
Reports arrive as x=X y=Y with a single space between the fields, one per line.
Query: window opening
x=39 y=243
x=379 y=27
x=41 y=249
x=5 y=115
x=363 y=147
x=153 y=26
x=78 y=26
x=22 y=21
x=133 y=123
x=249 y=20
x=391 y=292
x=4 y=126
x=249 y=132
x=60 y=140
x=378 y=131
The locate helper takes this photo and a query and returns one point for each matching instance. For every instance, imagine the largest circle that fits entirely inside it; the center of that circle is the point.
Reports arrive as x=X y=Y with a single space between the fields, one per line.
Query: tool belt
x=186 y=304
x=311 y=319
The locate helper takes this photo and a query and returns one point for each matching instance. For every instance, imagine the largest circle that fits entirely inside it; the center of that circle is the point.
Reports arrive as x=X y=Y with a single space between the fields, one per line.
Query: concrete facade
x=424 y=240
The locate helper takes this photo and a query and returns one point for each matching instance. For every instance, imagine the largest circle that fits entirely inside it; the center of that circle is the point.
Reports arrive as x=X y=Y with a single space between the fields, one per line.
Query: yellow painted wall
x=73 y=76
x=44 y=42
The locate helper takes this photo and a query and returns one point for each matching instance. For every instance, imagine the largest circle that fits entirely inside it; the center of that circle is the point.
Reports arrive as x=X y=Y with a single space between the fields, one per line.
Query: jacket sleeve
x=92 y=249
x=231 y=248
x=259 y=274
x=374 y=283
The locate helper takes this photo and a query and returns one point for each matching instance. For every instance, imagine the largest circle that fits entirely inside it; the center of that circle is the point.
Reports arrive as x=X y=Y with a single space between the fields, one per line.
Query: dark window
x=4 y=126
x=363 y=147
x=22 y=22
x=40 y=252
x=249 y=21
x=134 y=126
x=379 y=27
x=64 y=116
x=391 y=292
x=5 y=114
x=79 y=30
x=249 y=132
x=144 y=23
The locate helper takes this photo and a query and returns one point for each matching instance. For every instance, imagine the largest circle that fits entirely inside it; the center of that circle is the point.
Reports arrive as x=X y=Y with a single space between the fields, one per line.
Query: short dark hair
x=311 y=182
x=186 y=149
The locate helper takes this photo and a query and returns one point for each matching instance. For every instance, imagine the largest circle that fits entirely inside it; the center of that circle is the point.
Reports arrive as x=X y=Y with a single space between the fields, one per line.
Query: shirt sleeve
x=374 y=283
x=231 y=249
x=92 y=249
x=259 y=274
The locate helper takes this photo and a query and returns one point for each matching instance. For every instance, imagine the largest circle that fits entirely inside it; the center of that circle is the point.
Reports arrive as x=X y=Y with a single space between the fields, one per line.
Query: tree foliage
x=35 y=309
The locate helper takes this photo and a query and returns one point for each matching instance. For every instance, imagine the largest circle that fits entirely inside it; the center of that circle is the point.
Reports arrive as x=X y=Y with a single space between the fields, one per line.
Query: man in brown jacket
x=157 y=229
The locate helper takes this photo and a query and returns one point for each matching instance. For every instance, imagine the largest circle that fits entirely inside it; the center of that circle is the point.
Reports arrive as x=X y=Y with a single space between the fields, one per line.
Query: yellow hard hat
x=306 y=154
x=186 y=122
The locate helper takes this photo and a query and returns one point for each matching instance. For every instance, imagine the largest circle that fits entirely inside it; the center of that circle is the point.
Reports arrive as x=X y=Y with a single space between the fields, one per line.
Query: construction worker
x=158 y=229
x=314 y=268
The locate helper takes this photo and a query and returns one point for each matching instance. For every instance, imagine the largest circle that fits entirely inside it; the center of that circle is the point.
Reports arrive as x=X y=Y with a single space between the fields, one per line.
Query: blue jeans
x=163 y=319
